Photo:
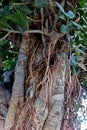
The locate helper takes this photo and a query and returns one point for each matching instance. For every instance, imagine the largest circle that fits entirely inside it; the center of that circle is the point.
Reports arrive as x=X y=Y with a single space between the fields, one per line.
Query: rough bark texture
x=50 y=117
x=38 y=114
x=18 y=87
x=1 y=124
x=54 y=119
x=4 y=102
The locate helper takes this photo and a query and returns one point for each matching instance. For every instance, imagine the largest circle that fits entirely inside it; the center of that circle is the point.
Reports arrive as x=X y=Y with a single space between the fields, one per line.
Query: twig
x=30 y=31
x=23 y=3
x=5 y=36
x=39 y=20
x=30 y=66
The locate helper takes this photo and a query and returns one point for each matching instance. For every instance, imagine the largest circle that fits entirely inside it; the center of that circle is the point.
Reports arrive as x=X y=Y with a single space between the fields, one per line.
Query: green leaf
x=62 y=16
x=79 y=58
x=81 y=52
x=85 y=82
x=60 y=8
x=77 y=25
x=81 y=65
x=0 y=3
x=64 y=28
x=78 y=105
x=18 y=18
x=78 y=50
x=26 y=10
x=4 y=42
x=41 y=3
x=5 y=11
x=73 y=62
x=11 y=5
x=20 y=29
x=8 y=64
x=12 y=18
x=76 y=70
x=4 y=24
x=70 y=14
x=84 y=19
x=22 y=19
x=82 y=2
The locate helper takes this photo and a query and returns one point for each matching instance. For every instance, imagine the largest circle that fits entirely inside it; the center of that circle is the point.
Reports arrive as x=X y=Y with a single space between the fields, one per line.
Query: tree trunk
x=44 y=86
x=44 y=110
x=18 y=87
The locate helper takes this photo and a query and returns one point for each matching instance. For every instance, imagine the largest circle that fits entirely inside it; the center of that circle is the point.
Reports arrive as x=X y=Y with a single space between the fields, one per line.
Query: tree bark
x=18 y=87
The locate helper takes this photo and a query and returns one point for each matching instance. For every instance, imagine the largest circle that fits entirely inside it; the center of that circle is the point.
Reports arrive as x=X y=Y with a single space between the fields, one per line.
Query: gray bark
x=18 y=87
x=46 y=119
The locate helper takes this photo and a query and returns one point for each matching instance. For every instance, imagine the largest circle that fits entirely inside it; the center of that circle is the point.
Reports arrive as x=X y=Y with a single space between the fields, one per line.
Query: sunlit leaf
x=78 y=105
x=77 y=48
x=64 y=28
x=84 y=19
x=70 y=14
x=61 y=8
x=76 y=25
x=8 y=64
x=81 y=65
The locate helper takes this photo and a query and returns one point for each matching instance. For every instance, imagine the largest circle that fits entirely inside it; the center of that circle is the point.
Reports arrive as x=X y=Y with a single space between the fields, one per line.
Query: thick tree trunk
x=36 y=114
x=18 y=87
x=55 y=115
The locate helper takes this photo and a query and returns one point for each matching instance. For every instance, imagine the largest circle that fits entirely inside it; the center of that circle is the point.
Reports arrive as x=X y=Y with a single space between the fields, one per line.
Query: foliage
x=9 y=53
x=16 y=16
x=79 y=38
x=78 y=106
x=77 y=58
